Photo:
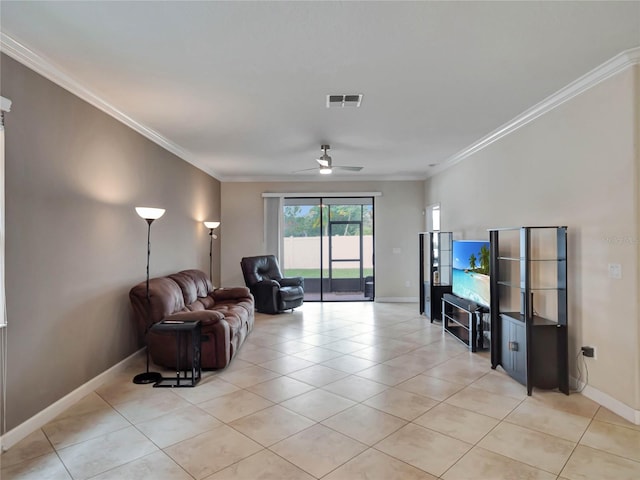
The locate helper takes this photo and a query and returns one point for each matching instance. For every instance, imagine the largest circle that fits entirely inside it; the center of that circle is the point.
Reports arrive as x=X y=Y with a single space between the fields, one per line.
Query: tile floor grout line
x=286 y=460
x=477 y=443
x=578 y=442
x=54 y=451
x=594 y=419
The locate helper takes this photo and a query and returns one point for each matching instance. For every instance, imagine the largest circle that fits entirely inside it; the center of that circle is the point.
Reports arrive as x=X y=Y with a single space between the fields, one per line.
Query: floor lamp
x=149 y=214
x=211 y=226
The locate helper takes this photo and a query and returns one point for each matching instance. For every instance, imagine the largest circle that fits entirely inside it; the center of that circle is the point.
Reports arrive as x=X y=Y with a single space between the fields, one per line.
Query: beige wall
x=576 y=166
x=398 y=219
x=74 y=244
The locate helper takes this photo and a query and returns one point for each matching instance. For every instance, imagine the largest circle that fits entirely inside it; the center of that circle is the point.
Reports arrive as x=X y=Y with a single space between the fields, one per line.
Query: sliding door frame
x=324 y=201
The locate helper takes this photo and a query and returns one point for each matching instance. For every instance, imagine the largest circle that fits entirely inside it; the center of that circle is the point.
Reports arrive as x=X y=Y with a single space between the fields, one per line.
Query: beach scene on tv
x=471 y=270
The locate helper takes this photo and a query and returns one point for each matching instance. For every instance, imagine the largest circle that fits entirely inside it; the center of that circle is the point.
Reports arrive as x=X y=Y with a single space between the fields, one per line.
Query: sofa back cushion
x=200 y=281
x=187 y=286
x=195 y=286
x=165 y=298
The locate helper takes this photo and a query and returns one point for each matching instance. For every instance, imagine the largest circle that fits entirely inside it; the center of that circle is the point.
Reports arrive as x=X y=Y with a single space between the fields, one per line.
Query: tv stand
x=463 y=319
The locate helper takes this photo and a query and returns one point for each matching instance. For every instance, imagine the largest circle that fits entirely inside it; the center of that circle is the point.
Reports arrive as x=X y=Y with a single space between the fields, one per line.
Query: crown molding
x=47 y=69
x=320 y=194
x=323 y=178
x=608 y=69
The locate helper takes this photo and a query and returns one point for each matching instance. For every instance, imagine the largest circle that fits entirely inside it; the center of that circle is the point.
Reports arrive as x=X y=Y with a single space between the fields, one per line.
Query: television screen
x=471 y=270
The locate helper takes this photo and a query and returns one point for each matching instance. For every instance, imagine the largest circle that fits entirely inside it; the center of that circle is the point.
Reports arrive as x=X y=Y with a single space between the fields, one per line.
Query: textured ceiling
x=240 y=87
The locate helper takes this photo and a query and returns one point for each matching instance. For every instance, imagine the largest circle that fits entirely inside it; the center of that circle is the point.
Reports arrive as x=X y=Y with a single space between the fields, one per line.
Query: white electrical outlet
x=615 y=271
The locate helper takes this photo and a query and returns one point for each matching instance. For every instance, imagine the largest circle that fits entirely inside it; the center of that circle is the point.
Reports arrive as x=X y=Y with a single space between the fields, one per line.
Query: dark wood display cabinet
x=529 y=305
x=436 y=274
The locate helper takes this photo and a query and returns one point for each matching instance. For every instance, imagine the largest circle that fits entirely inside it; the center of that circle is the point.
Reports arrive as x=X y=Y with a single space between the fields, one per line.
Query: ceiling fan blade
x=351 y=169
x=306 y=170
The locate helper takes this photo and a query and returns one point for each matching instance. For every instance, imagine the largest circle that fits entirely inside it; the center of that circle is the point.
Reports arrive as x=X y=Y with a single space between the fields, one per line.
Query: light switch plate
x=615 y=271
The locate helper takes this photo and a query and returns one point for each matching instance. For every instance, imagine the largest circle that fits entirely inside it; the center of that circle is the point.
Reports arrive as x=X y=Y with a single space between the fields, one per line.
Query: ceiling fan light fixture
x=324 y=160
x=325 y=170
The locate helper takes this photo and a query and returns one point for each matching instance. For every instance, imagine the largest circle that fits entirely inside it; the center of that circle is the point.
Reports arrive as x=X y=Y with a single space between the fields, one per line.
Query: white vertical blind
x=272 y=226
x=3 y=313
x=5 y=106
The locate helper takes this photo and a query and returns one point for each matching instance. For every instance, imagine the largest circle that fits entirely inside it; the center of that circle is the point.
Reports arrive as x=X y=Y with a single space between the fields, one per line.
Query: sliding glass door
x=329 y=241
x=302 y=243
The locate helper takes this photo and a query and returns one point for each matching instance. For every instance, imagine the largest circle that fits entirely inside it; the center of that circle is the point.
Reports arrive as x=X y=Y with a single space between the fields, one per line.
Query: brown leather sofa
x=227 y=316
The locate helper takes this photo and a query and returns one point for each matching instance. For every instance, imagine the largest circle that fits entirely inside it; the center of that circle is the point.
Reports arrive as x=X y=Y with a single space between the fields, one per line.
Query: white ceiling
x=240 y=87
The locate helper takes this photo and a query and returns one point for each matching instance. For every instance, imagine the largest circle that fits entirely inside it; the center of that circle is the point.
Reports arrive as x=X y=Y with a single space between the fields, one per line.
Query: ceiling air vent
x=341 y=101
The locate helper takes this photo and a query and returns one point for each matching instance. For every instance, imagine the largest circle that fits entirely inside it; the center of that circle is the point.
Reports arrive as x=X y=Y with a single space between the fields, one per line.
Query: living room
x=74 y=245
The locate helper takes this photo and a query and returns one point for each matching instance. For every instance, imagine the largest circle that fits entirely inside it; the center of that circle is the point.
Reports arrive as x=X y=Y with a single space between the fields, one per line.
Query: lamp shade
x=325 y=170
x=212 y=224
x=149 y=213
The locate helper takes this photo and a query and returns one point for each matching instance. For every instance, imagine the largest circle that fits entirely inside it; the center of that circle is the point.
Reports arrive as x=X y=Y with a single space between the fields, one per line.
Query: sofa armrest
x=220 y=294
x=292 y=282
x=206 y=317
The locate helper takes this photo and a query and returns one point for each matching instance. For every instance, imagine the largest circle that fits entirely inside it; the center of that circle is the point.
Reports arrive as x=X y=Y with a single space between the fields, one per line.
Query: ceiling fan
x=326 y=167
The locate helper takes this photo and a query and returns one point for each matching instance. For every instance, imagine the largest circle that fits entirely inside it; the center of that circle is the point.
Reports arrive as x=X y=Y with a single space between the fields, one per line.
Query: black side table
x=182 y=331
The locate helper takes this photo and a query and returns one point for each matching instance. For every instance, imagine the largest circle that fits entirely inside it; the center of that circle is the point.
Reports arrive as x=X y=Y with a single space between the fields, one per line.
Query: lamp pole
x=211 y=226
x=211 y=255
x=149 y=215
x=149 y=222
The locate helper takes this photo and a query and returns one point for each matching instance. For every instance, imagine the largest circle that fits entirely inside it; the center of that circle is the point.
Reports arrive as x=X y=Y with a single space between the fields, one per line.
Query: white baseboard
x=396 y=300
x=616 y=406
x=13 y=436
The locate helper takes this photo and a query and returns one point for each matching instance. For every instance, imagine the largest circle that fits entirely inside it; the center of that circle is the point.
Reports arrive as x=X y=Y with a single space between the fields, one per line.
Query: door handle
x=513 y=346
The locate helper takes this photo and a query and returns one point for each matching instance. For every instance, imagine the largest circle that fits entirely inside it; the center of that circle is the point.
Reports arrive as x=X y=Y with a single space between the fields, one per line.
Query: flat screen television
x=471 y=270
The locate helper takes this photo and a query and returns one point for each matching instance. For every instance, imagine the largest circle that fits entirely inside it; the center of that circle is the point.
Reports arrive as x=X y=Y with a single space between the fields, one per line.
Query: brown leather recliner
x=273 y=293
x=227 y=316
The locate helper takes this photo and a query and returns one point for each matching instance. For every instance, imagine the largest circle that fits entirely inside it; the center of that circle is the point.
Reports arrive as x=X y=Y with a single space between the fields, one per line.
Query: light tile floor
x=334 y=391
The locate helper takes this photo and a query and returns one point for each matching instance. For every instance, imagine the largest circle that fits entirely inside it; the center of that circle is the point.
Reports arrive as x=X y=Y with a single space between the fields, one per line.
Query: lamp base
x=147 y=377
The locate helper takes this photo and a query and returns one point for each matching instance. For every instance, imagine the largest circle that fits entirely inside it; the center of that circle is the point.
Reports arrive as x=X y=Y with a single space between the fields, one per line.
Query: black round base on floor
x=147 y=377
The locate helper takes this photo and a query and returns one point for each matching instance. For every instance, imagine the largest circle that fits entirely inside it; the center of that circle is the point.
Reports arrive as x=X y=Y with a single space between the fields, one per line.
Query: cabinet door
x=513 y=349
x=519 y=336
x=544 y=352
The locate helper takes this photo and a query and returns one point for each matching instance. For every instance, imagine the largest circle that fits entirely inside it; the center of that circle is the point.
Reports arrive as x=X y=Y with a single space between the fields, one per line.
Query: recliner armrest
x=265 y=284
x=292 y=282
